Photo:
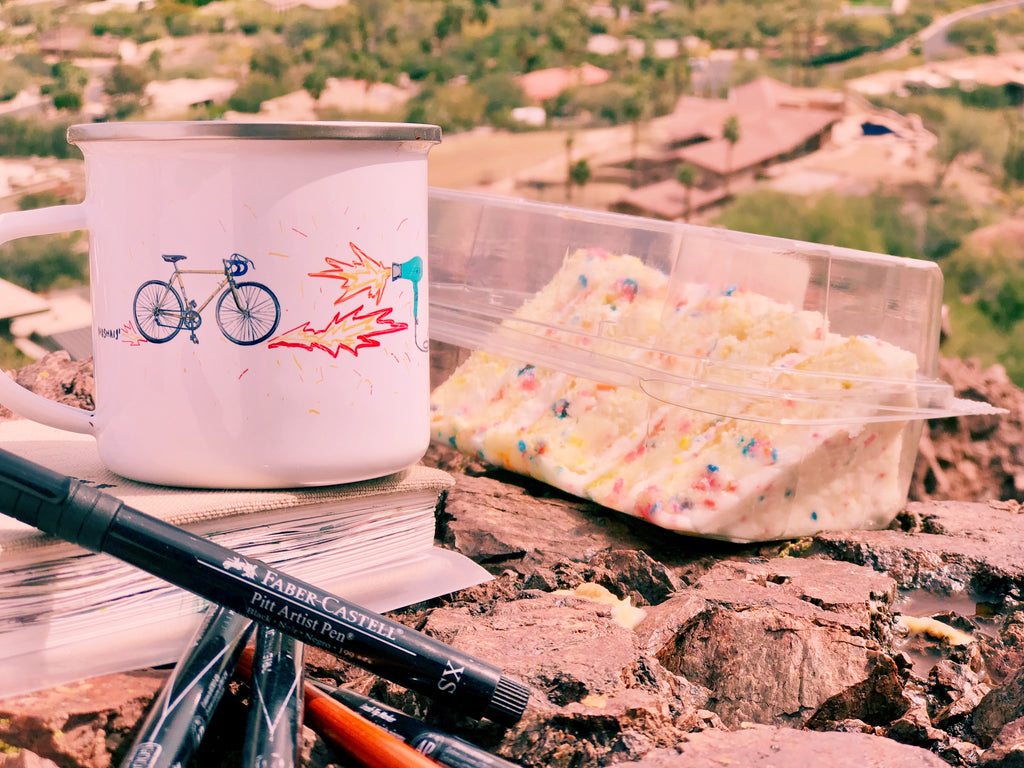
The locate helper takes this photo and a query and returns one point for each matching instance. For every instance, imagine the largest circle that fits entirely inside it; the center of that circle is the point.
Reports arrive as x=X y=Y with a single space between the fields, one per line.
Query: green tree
x=126 y=80
x=126 y=86
x=12 y=358
x=371 y=18
x=960 y=134
x=315 y=83
x=686 y=174
x=633 y=111
x=452 y=106
x=977 y=36
x=570 y=141
x=39 y=264
x=503 y=94
x=859 y=33
x=67 y=101
x=731 y=133
x=580 y=173
x=453 y=14
x=69 y=75
x=1013 y=165
x=271 y=59
x=852 y=221
x=253 y=91
x=12 y=80
x=19 y=138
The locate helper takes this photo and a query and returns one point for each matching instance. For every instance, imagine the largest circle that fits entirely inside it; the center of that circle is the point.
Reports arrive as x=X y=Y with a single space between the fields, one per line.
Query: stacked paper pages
x=67 y=614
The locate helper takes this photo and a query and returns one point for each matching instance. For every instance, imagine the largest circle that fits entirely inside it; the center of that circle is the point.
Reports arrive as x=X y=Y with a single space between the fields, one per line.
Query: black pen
x=439 y=747
x=275 y=707
x=178 y=717
x=76 y=512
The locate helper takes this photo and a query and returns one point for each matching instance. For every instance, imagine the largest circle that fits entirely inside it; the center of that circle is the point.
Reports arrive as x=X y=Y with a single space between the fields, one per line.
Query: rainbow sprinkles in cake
x=706 y=461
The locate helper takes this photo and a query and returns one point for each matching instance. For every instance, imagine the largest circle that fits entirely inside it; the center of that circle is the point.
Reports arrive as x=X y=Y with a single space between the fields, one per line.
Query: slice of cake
x=696 y=446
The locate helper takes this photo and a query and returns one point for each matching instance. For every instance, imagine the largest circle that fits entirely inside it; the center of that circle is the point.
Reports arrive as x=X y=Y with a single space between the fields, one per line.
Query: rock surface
x=868 y=648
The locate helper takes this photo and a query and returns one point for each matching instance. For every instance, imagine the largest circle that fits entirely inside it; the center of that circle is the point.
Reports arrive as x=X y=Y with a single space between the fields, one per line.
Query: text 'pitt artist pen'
x=65 y=507
x=439 y=747
x=275 y=708
x=178 y=717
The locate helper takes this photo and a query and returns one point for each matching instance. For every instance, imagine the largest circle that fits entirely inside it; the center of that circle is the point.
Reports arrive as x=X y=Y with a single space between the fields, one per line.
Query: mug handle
x=43 y=221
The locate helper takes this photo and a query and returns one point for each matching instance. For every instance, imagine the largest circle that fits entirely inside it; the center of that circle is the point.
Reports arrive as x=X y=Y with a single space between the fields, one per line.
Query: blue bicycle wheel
x=250 y=319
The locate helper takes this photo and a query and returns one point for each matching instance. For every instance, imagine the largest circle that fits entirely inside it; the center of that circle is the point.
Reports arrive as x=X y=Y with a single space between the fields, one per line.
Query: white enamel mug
x=259 y=300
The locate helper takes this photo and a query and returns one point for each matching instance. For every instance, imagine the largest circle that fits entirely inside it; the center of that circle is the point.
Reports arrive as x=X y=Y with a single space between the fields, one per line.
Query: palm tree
x=633 y=110
x=731 y=133
x=315 y=83
x=570 y=139
x=580 y=173
x=686 y=175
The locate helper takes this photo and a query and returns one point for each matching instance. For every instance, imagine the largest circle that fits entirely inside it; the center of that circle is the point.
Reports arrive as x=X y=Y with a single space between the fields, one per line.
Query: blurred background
x=887 y=125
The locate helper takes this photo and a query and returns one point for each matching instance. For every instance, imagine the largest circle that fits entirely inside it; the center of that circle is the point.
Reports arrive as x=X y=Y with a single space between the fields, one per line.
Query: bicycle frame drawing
x=247 y=312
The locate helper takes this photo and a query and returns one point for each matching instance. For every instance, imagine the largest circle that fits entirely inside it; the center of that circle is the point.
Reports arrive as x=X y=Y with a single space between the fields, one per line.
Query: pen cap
x=54 y=503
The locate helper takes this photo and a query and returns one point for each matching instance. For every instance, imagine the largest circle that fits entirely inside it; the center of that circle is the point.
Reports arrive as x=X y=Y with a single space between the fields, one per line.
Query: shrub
x=253 y=91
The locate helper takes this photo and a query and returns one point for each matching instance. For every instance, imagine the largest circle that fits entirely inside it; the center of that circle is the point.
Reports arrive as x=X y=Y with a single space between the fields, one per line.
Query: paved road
x=932 y=38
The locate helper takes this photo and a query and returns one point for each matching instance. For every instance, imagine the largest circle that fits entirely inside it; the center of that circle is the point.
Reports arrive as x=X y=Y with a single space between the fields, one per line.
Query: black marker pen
x=70 y=509
x=439 y=747
x=275 y=708
x=178 y=717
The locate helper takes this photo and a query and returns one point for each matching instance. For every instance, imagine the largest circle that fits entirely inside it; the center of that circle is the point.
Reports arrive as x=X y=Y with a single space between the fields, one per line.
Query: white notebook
x=66 y=613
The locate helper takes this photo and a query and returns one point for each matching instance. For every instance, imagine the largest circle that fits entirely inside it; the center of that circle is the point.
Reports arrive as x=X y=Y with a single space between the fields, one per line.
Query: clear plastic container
x=716 y=383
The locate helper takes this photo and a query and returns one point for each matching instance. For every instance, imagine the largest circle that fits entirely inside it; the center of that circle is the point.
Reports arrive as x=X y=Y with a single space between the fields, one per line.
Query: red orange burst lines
x=350 y=332
x=364 y=274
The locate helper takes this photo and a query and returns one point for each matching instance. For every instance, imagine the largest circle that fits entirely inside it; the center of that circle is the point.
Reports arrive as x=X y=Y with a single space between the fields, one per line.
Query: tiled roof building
x=545 y=84
x=777 y=122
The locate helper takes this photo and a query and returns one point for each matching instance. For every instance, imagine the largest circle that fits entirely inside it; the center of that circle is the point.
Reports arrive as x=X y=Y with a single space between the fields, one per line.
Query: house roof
x=172 y=96
x=769 y=93
x=67 y=322
x=667 y=199
x=1002 y=239
x=364 y=96
x=547 y=83
x=15 y=301
x=74 y=39
x=695 y=118
x=764 y=134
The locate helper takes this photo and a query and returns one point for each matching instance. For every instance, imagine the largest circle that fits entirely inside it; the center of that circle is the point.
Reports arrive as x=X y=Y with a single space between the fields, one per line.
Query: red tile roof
x=764 y=134
x=774 y=119
x=667 y=199
x=547 y=83
x=700 y=118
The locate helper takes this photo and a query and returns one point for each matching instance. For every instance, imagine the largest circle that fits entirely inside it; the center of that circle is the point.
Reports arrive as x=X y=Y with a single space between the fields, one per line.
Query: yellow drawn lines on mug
x=361 y=380
x=250 y=210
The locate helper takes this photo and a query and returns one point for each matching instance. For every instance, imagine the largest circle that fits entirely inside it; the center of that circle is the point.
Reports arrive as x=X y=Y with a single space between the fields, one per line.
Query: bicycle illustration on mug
x=247 y=312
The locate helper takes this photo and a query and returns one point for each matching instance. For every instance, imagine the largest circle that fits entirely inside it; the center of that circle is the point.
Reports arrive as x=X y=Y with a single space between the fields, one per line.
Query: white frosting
x=746 y=475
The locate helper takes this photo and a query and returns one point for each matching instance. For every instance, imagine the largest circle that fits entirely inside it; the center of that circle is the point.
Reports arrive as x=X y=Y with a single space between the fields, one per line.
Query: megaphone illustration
x=412 y=270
